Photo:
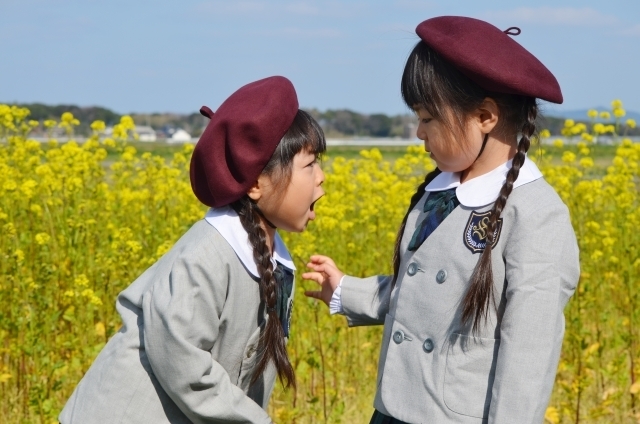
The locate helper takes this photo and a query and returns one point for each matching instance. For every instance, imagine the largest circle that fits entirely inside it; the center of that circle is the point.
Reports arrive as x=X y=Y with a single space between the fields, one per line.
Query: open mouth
x=312 y=214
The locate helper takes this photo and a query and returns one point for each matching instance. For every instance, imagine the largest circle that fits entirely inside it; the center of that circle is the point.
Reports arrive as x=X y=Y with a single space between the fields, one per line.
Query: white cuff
x=335 y=305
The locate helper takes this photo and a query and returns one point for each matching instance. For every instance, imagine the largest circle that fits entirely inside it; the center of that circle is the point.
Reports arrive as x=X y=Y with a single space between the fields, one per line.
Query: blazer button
x=398 y=336
x=441 y=276
x=428 y=345
x=412 y=269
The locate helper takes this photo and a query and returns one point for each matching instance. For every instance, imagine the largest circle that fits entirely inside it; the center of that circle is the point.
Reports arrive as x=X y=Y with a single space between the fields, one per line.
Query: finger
x=314 y=276
x=318 y=267
x=321 y=259
x=313 y=294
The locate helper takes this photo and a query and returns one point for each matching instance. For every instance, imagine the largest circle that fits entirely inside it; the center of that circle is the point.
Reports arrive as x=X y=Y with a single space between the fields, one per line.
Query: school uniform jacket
x=187 y=346
x=432 y=369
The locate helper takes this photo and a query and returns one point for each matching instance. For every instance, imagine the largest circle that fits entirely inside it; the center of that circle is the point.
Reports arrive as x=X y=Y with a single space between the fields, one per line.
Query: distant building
x=179 y=136
x=145 y=133
x=410 y=131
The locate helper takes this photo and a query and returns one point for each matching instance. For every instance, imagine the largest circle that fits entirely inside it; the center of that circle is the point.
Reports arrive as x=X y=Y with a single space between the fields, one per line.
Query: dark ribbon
x=438 y=206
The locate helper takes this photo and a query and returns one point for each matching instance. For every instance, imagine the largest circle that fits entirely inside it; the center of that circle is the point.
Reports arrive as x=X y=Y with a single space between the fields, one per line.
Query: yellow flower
x=19 y=255
x=98 y=125
x=67 y=117
x=81 y=280
x=631 y=123
x=558 y=143
x=100 y=330
x=9 y=185
x=616 y=104
x=568 y=157
x=586 y=162
x=9 y=229
x=605 y=115
x=587 y=137
x=568 y=123
x=552 y=415
x=50 y=123
x=545 y=133
x=42 y=238
x=619 y=113
x=592 y=113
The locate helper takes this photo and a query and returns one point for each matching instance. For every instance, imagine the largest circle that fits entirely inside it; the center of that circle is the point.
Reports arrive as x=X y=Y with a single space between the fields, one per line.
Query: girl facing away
x=205 y=328
x=485 y=259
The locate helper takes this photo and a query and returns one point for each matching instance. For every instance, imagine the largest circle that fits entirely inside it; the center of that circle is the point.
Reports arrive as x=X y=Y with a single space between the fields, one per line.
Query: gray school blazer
x=187 y=346
x=432 y=369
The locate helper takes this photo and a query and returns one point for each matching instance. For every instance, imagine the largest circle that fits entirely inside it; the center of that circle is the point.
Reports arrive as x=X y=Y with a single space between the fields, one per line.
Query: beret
x=489 y=56
x=240 y=138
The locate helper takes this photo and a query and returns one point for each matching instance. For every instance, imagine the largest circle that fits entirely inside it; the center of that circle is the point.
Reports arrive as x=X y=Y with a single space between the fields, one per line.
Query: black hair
x=429 y=81
x=304 y=134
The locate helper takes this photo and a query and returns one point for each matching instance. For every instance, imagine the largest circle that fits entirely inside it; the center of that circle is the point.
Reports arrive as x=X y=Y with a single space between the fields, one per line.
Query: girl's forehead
x=420 y=109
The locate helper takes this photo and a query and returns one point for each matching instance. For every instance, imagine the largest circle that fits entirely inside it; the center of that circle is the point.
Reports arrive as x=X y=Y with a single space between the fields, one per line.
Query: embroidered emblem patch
x=475 y=232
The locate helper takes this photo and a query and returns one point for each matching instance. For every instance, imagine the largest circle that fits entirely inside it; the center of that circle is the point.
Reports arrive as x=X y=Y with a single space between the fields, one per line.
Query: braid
x=414 y=201
x=480 y=293
x=271 y=344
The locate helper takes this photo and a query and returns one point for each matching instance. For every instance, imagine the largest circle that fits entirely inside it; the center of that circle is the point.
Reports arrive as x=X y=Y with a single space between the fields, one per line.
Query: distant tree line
x=344 y=122
x=335 y=123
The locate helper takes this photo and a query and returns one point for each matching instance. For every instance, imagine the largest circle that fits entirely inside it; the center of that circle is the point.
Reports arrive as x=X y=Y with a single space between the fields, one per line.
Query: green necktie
x=438 y=206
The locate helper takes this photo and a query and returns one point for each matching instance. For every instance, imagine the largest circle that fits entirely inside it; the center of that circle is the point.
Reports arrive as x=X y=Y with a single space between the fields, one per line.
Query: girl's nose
x=421 y=133
x=320 y=176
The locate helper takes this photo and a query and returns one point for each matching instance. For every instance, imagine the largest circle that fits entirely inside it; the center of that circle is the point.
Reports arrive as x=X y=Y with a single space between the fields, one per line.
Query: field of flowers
x=79 y=222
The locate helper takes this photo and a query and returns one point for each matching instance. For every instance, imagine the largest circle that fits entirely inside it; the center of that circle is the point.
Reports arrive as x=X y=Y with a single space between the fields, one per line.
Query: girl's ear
x=255 y=192
x=487 y=115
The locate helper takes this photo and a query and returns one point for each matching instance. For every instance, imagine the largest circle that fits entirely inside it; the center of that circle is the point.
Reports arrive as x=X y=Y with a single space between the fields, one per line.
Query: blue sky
x=174 y=56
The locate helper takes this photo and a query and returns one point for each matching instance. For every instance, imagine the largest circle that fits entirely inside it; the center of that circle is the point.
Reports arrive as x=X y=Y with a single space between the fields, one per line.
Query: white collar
x=483 y=190
x=227 y=222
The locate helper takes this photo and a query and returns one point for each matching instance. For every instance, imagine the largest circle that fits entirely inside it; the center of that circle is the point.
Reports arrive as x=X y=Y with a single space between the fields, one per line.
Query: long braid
x=412 y=204
x=271 y=346
x=480 y=293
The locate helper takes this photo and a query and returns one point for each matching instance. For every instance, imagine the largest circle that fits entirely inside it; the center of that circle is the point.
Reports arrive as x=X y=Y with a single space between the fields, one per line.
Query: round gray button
x=412 y=269
x=428 y=345
x=441 y=276
x=398 y=336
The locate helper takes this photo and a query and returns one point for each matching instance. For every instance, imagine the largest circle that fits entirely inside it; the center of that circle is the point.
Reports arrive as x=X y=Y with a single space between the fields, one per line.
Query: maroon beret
x=489 y=57
x=240 y=139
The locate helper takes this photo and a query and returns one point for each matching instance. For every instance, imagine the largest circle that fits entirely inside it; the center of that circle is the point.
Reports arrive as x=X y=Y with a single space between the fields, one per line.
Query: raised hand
x=326 y=273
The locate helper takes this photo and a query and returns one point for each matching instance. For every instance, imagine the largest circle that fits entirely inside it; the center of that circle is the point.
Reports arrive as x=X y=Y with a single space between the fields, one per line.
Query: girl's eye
x=313 y=162
x=426 y=120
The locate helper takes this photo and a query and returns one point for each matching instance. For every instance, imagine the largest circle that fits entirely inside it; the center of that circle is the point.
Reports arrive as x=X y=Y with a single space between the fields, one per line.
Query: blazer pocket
x=249 y=360
x=469 y=374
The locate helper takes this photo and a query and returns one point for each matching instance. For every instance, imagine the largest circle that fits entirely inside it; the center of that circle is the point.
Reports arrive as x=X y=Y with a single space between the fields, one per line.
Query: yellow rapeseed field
x=79 y=222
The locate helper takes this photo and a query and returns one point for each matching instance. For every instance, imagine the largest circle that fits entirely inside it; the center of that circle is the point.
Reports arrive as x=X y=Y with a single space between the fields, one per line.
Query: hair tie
x=269 y=310
x=512 y=31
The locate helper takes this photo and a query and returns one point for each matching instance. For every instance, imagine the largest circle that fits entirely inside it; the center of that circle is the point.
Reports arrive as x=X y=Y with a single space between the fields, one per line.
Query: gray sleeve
x=365 y=301
x=542 y=272
x=181 y=324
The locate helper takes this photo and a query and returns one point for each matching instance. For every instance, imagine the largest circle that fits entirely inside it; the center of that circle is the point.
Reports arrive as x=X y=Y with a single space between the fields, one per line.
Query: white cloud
x=570 y=16
x=634 y=31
